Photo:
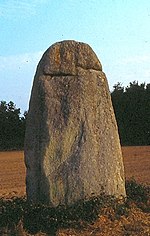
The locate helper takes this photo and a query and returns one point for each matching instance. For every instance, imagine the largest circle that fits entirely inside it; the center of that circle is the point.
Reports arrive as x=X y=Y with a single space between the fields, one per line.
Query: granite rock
x=72 y=147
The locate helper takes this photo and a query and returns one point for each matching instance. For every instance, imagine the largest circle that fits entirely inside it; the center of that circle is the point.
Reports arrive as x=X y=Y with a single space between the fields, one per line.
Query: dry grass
x=136 y=223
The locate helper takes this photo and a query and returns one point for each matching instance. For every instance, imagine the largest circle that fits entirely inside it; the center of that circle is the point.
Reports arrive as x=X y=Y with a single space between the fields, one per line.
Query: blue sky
x=117 y=30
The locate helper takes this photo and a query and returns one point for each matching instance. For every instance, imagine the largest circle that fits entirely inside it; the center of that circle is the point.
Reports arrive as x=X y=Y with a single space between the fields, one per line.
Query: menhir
x=72 y=147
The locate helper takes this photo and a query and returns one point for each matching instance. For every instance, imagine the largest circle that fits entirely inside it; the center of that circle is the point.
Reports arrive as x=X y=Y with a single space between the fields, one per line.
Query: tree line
x=132 y=110
x=12 y=127
x=131 y=106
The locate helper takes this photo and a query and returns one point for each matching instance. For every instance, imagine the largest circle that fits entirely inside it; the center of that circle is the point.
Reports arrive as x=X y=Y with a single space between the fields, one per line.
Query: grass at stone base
x=103 y=215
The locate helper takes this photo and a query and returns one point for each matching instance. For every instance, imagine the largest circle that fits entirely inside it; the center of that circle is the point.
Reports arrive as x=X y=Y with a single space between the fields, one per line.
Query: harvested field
x=12 y=169
x=135 y=223
x=12 y=174
x=137 y=163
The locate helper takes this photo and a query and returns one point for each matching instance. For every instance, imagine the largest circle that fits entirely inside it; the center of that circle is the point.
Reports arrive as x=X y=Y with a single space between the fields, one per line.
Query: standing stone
x=72 y=148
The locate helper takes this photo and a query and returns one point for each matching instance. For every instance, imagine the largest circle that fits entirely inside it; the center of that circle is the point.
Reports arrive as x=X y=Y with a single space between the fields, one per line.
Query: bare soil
x=12 y=174
x=137 y=163
x=12 y=169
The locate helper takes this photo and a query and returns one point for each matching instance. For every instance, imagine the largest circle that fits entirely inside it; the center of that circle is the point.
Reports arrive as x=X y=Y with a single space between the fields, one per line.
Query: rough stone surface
x=72 y=148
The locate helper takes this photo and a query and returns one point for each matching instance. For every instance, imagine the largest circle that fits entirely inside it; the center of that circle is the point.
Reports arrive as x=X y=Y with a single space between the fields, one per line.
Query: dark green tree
x=12 y=127
x=132 y=110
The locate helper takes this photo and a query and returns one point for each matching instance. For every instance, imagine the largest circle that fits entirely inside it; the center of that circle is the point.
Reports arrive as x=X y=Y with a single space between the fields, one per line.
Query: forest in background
x=131 y=106
x=132 y=111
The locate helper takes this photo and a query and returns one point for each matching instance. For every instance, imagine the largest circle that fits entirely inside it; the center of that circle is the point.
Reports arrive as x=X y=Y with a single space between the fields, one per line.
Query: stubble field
x=12 y=169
